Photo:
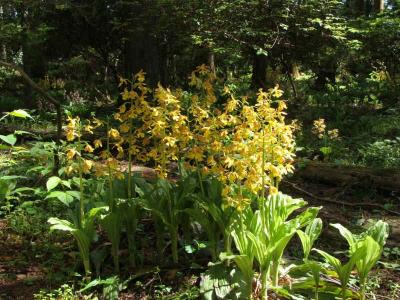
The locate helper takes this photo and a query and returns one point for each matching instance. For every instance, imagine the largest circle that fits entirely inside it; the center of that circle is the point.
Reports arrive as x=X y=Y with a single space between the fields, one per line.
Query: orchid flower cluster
x=242 y=144
x=80 y=154
x=319 y=129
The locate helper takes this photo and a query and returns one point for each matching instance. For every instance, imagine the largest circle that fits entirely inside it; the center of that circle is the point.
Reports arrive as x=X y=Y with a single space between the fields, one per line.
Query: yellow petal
x=89 y=148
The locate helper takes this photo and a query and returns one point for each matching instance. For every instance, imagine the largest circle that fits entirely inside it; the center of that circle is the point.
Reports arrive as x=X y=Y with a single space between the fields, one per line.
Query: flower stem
x=110 y=185
x=81 y=200
x=130 y=160
x=362 y=288
x=275 y=273
x=344 y=293
x=264 y=285
x=200 y=179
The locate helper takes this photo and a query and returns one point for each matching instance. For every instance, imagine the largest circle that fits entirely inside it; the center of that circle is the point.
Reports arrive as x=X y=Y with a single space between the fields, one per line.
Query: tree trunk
x=33 y=60
x=295 y=71
x=292 y=72
x=211 y=61
x=28 y=99
x=379 y=6
x=3 y=46
x=368 y=7
x=144 y=52
x=359 y=7
x=259 y=71
x=3 y=52
x=28 y=92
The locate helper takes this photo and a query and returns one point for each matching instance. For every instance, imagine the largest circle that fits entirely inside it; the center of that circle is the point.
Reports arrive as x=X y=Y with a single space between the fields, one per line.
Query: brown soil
x=19 y=279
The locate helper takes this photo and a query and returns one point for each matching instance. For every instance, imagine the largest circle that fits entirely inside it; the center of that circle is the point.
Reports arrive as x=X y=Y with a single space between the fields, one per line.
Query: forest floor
x=385 y=280
x=20 y=274
x=30 y=264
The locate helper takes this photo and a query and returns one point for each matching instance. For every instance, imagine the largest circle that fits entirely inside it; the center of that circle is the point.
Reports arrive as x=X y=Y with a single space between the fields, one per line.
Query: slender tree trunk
x=359 y=7
x=28 y=90
x=368 y=7
x=293 y=84
x=259 y=71
x=379 y=6
x=211 y=61
x=144 y=52
x=33 y=59
x=293 y=75
x=295 y=71
x=3 y=46
x=4 y=52
x=163 y=51
x=292 y=71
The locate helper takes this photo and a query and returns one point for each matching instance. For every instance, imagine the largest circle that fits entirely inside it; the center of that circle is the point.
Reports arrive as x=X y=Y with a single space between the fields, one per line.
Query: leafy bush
x=65 y=292
x=382 y=154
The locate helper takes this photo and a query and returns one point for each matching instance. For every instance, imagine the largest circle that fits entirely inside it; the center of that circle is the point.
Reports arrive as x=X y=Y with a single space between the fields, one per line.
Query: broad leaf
x=379 y=232
x=344 y=232
x=64 y=197
x=370 y=258
x=53 y=182
x=20 y=113
x=10 y=139
x=310 y=235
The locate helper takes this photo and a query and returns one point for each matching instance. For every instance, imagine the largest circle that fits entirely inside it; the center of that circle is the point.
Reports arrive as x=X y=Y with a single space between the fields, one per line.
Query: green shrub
x=382 y=154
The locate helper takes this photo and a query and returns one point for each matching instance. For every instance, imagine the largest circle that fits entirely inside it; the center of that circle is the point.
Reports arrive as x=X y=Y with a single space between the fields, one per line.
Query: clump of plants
x=230 y=157
x=381 y=154
x=326 y=138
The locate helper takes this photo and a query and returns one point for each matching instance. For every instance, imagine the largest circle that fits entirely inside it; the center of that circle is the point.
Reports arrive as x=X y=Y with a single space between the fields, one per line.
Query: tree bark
x=359 y=7
x=379 y=6
x=369 y=7
x=144 y=52
x=259 y=68
x=3 y=46
x=295 y=71
x=292 y=71
x=3 y=52
x=211 y=61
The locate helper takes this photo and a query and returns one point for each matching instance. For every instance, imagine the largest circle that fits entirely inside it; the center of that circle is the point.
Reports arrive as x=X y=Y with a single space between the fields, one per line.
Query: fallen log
x=340 y=175
x=343 y=203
